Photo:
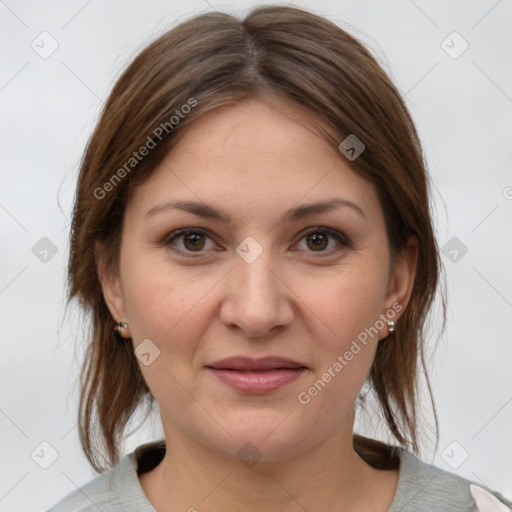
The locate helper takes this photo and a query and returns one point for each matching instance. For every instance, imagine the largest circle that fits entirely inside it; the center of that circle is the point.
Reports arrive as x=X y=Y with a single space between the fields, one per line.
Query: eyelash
x=340 y=238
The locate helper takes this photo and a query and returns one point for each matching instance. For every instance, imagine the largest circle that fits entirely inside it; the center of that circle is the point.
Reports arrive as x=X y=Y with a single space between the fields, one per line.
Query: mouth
x=256 y=376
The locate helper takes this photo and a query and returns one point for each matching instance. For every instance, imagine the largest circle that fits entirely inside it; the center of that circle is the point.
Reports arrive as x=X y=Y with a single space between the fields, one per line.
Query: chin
x=262 y=440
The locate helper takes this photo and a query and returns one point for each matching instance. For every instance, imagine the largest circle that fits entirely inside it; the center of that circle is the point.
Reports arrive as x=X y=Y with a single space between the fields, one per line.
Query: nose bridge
x=258 y=298
x=257 y=286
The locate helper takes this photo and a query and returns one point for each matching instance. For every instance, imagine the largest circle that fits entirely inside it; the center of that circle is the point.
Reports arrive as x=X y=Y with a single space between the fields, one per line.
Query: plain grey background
x=59 y=62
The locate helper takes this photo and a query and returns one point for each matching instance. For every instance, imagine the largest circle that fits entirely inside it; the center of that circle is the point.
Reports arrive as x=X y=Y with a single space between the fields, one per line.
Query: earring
x=122 y=330
x=391 y=326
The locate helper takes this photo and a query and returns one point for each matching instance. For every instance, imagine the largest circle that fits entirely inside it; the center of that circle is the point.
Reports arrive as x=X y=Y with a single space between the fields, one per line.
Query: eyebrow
x=294 y=214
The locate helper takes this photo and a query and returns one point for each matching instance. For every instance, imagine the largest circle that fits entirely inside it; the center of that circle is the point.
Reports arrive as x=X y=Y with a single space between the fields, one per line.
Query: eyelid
x=330 y=231
x=340 y=237
x=168 y=239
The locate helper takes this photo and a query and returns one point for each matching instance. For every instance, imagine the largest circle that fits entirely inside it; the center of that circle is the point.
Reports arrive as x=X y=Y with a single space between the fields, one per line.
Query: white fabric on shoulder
x=486 y=501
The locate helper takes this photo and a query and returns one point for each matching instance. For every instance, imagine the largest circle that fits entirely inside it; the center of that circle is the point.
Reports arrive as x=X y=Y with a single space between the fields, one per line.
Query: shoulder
x=425 y=487
x=115 y=490
x=99 y=494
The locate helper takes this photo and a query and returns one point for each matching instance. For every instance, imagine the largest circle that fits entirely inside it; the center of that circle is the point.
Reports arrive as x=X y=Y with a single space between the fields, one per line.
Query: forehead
x=256 y=155
x=255 y=128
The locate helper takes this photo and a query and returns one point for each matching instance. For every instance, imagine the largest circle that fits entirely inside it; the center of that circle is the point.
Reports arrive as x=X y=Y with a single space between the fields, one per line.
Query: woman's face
x=250 y=279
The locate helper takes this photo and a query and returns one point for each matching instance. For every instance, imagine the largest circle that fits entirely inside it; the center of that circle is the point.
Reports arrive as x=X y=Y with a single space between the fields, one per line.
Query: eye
x=317 y=240
x=192 y=240
x=189 y=241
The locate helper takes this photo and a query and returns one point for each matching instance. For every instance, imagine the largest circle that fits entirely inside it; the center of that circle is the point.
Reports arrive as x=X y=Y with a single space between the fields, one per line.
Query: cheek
x=162 y=300
x=343 y=361
x=173 y=308
x=167 y=306
x=346 y=304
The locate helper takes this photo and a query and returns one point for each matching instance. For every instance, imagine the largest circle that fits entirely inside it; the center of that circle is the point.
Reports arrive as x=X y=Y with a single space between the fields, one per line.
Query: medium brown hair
x=216 y=59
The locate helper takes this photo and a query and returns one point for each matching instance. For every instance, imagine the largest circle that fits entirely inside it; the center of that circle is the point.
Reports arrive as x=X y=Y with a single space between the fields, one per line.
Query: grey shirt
x=421 y=487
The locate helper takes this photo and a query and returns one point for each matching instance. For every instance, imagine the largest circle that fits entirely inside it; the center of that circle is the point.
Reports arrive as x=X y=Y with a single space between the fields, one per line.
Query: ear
x=401 y=279
x=110 y=284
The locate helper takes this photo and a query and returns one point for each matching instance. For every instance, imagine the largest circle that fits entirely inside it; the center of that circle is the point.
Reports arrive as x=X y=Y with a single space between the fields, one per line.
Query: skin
x=255 y=160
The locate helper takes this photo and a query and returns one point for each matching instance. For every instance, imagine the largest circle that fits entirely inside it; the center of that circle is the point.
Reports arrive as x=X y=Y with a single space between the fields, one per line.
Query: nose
x=258 y=299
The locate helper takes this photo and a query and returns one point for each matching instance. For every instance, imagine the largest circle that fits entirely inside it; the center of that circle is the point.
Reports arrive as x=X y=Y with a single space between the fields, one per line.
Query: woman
x=252 y=236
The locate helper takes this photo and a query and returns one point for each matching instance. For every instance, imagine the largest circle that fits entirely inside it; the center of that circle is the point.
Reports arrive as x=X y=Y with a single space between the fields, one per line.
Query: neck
x=192 y=476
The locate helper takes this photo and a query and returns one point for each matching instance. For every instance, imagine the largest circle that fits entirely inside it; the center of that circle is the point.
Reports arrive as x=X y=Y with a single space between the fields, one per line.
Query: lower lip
x=262 y=381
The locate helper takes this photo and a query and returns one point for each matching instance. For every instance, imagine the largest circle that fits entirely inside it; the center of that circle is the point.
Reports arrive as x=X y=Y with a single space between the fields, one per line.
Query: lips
x=261 y=364
x=256 y=376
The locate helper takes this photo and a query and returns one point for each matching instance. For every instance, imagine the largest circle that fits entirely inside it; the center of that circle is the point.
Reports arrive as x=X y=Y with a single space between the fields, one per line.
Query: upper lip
x=248 y=363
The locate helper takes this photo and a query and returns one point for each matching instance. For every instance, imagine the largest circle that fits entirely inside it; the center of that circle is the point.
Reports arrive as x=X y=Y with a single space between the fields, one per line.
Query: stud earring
x=391 y=326
x=122 y=330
